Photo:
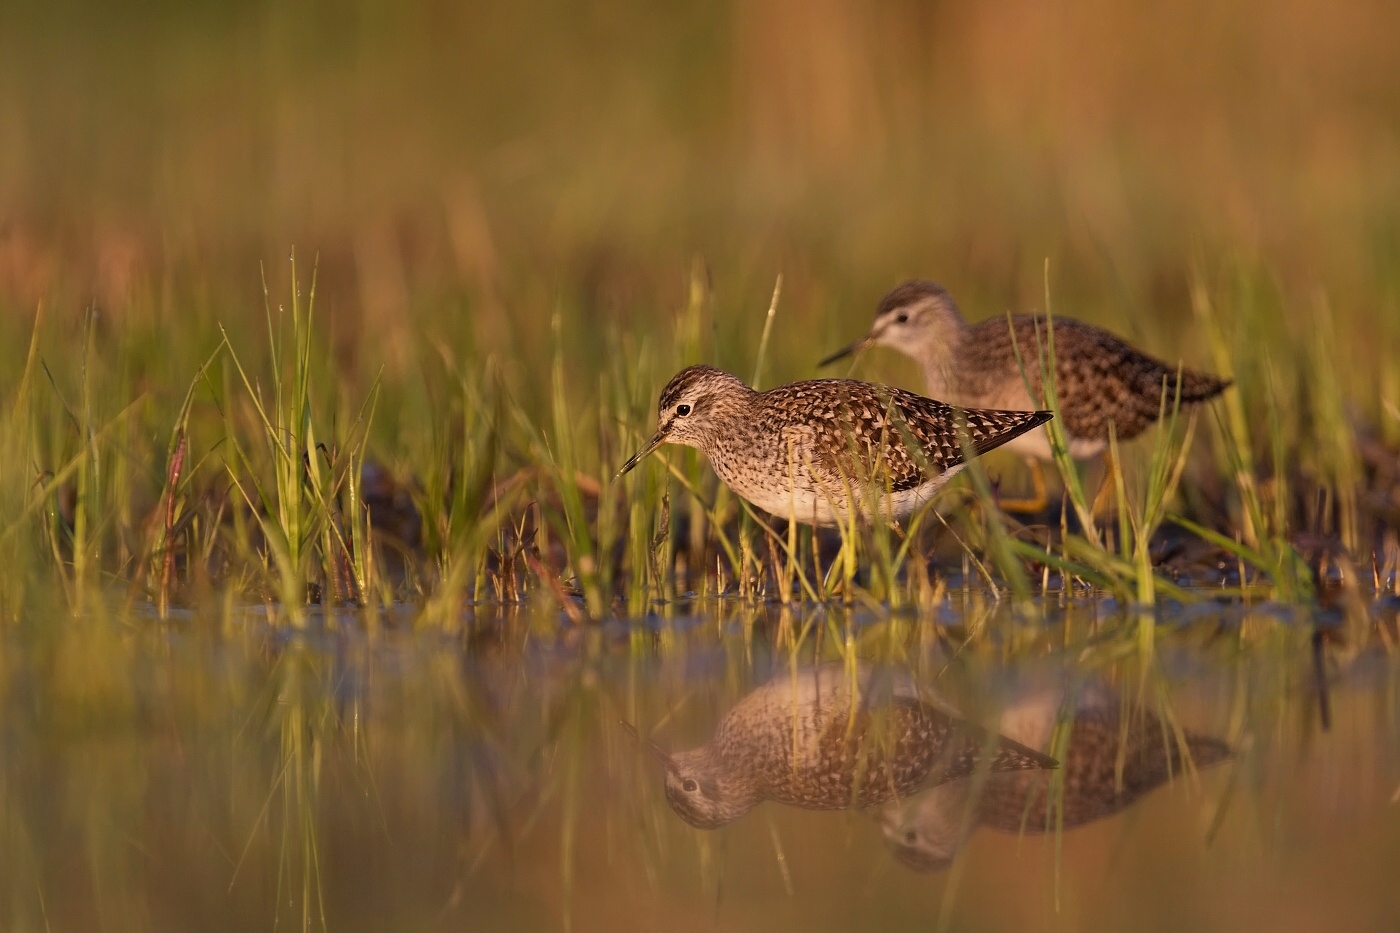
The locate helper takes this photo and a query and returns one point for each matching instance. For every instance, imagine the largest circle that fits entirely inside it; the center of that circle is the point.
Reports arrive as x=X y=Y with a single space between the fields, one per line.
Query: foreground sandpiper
x=828 y=737
x=1100 y=378
x=808 y=451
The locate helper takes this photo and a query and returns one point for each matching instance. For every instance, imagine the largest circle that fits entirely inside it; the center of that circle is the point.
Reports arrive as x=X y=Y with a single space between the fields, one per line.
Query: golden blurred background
x=498 y=154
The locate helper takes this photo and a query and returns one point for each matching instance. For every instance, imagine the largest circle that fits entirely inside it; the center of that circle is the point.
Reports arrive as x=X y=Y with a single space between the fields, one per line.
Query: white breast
x=794 y=709
x=1035 y=445
x=778 y=496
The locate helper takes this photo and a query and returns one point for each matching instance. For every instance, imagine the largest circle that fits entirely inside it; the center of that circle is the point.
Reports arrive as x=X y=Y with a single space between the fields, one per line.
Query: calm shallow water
x=220 y=776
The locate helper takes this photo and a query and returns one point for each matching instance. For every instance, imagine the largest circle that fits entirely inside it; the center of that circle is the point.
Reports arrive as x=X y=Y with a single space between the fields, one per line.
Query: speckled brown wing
x=940 y=429
x=860 y=431
x=900 y=747
x=1093 y=787
x=1102 y=379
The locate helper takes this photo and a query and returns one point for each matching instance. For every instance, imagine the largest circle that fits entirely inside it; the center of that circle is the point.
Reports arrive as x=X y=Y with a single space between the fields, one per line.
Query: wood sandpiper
x=1110 y=757
x=1100 y=378
x=829 y=737
x=807 y=450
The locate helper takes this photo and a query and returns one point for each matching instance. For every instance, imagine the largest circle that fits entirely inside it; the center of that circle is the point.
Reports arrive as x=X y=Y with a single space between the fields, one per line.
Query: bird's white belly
x=796 y=708
x=832 y=507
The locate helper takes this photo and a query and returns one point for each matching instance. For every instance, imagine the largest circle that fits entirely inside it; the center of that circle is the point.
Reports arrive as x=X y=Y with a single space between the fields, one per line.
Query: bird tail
x=1009 y=424
x=980 y=749
x=1207 y=750
x=1011 y=755
x=1198 y=387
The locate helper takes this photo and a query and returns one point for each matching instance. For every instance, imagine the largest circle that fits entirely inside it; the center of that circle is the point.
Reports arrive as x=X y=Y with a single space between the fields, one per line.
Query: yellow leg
x=1037 y=503
x=1106 y=501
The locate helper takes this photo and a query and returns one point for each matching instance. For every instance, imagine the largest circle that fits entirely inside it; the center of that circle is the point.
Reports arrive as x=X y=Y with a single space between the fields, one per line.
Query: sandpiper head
x=697 y=787
x=927 y=833
x=693 y=406
x=698 y=790
x=914 y=317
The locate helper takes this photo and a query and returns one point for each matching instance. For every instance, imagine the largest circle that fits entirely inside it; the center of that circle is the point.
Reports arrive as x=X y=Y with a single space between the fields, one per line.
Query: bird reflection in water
x=1112 y=756
x=831 y=737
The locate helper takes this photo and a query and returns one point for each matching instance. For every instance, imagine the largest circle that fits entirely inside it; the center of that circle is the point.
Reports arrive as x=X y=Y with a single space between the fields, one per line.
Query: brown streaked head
x=695 y=403
x=929 y=833
x=702 y=793
x=697 y=787
x=912 y=315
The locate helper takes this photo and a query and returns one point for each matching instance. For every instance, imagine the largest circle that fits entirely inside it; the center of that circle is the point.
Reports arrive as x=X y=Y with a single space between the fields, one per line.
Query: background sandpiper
x=1111 y=754
x=1100 y=378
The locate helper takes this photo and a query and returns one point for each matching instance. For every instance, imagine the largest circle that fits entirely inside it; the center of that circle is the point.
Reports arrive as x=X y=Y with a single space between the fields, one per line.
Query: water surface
x=215 y=774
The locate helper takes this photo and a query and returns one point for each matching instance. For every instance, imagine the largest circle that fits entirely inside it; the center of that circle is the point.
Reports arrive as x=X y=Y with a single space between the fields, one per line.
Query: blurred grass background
x=485 y=159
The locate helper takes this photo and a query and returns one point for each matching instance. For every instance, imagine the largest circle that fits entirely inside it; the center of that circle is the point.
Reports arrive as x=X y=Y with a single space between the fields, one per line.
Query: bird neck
x=937 y=356
x=731 y=416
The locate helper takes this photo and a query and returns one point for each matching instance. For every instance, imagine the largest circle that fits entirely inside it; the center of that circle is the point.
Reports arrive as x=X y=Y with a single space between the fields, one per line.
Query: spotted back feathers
x=862 y=432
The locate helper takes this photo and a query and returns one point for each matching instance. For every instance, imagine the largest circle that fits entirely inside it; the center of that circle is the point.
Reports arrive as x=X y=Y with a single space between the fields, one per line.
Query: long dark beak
x=657 y=752
x=656 y=441
x=846 y=351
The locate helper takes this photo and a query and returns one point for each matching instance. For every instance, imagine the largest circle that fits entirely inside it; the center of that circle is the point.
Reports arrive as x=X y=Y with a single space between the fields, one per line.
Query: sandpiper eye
x=902 y=319
x=689 y=786
x=682 y=410
x=910 y=837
